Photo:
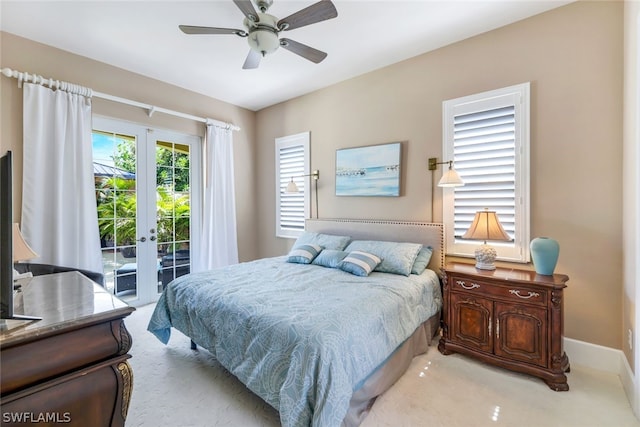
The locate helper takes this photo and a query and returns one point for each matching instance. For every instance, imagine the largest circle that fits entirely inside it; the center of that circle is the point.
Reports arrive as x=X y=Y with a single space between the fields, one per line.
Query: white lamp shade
x=450 y=179
x=292 y=187
x=486 y=226
x=21 y=250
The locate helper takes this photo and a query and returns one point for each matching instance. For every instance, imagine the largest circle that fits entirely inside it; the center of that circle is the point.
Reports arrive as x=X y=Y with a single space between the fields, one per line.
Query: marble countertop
x=61 y=300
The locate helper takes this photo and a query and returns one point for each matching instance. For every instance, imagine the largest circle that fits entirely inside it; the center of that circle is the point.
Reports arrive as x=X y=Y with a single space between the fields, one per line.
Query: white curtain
x=219 y=244
x=59 y=216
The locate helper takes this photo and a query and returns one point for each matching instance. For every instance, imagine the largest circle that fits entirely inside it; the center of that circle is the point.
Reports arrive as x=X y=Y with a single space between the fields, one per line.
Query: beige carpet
x=175 y=386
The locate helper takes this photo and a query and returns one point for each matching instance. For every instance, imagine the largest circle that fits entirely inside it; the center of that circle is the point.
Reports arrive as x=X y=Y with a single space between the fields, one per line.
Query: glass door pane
x=173 y=210
x=116 y=195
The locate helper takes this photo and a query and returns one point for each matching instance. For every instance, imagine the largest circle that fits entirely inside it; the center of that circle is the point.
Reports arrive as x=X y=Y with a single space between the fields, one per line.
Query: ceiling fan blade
x=190 y=29
x=247 y=8
x=252 y=61
x=317 y=12
x=307 y=52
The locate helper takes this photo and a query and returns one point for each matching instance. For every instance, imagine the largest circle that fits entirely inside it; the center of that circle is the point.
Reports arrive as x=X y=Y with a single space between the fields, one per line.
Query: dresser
x=71 y=366
x=506 y=317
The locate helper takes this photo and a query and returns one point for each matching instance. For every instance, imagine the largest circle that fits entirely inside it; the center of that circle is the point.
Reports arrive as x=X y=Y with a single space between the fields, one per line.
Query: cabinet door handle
x=462 y=283
x=530 y=294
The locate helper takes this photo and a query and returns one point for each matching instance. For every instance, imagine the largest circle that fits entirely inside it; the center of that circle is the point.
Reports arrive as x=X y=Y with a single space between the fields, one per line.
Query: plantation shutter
x=487 y=137
x=292 y=204
x=292 y=162
x=484 y=157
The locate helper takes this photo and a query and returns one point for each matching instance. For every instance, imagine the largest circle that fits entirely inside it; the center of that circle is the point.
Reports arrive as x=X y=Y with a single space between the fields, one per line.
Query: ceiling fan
x=262 y=29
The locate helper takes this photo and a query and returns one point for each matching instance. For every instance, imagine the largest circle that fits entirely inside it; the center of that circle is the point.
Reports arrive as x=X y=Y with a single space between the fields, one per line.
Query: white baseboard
x=593 y=356
x=629 y=384
x=606 y=359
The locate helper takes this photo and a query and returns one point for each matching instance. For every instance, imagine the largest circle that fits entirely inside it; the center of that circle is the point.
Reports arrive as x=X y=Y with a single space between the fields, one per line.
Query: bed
x=314 y=340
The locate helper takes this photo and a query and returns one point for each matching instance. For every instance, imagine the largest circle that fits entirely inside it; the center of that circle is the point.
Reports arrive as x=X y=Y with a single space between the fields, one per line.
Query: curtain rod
x=70 y=87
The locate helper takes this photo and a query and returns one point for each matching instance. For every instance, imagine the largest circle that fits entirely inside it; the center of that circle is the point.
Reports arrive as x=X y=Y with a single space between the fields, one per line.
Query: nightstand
x=506 y=317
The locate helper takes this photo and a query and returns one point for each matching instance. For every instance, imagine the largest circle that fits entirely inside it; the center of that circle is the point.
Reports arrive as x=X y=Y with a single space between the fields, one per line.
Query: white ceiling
x=143 y=37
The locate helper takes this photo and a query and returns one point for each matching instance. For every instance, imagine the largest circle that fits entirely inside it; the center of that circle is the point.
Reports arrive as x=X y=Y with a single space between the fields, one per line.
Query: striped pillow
x=304 y=254
x=359 y=263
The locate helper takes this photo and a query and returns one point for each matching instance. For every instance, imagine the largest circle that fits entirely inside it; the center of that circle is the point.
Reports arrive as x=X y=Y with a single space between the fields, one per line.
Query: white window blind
x=486 y=135
x=484 y=155
x=292 y=162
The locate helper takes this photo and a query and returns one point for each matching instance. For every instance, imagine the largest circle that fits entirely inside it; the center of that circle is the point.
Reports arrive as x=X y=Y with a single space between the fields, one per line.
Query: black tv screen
x=6 y=237
x=6 y=241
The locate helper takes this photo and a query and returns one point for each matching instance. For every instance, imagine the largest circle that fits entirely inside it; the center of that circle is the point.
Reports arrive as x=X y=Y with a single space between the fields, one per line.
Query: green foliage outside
x=167 y=162
x=117 y=202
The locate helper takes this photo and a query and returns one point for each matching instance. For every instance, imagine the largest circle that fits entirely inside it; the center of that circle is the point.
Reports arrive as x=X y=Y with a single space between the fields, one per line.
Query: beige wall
x=631 y=174
x=573 y=57
x=24 y=55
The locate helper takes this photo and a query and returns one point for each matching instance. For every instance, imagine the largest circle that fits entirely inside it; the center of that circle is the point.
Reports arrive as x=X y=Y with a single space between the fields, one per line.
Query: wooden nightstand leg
x=558 y=386
x=443 y=349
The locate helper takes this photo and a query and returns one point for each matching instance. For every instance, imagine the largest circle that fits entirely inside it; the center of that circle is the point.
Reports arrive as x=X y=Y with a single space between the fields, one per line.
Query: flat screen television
x=6 y=241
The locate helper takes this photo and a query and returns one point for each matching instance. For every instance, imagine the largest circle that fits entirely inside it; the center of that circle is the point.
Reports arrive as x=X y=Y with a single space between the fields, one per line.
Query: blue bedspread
x=302 y=337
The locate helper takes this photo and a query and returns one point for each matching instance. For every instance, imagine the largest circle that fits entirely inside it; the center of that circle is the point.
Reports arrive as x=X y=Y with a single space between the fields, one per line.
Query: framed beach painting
x=373 y=170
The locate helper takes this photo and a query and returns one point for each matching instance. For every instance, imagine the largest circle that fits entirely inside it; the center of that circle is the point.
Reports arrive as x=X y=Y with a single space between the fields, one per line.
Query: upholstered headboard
x=426 y=233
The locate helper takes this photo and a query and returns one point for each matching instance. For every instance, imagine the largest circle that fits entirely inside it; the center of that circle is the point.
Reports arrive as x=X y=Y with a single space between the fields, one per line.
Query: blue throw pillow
x=327 y=241
x=329 y=258
x=422 y=260
x=359 y=263
x=304 y=254
x=397 y=257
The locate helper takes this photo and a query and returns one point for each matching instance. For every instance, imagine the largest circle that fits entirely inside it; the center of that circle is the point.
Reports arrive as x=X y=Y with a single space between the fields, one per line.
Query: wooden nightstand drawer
x=508 y=292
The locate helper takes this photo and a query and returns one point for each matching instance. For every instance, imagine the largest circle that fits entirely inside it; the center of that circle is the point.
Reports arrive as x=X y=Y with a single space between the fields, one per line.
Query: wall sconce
x=293 y=188
x=449 y=179
x=486 y=226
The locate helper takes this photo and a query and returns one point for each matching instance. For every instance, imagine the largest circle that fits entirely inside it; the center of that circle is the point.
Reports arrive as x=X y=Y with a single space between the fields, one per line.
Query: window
x=292 y=163
x=487 y=137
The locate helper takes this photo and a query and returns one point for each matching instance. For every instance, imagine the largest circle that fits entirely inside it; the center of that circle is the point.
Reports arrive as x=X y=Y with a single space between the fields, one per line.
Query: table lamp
x=21 y=251
x=486 y=226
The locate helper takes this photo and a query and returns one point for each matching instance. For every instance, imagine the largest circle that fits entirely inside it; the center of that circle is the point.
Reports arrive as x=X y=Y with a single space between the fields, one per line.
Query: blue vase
x=544 y=252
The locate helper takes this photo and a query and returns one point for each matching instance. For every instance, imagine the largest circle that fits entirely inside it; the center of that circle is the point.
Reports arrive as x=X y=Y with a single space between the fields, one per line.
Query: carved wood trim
x=122 y=336
x=556 y=299
x=126 y=373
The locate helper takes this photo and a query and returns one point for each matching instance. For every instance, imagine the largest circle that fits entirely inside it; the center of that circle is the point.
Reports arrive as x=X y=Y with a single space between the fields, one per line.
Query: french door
x=147 y=189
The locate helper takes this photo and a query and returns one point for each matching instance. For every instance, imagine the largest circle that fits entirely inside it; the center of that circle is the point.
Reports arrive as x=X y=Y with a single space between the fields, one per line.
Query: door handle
x=142 y=239
x=152 y=238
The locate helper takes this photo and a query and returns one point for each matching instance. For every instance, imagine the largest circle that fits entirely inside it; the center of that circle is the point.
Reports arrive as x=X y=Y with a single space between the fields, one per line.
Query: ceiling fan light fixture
x=263 y=40
x=263 y=37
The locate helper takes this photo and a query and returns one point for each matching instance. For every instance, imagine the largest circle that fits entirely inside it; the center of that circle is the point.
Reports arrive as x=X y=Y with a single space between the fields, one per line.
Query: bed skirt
x=385 y=376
